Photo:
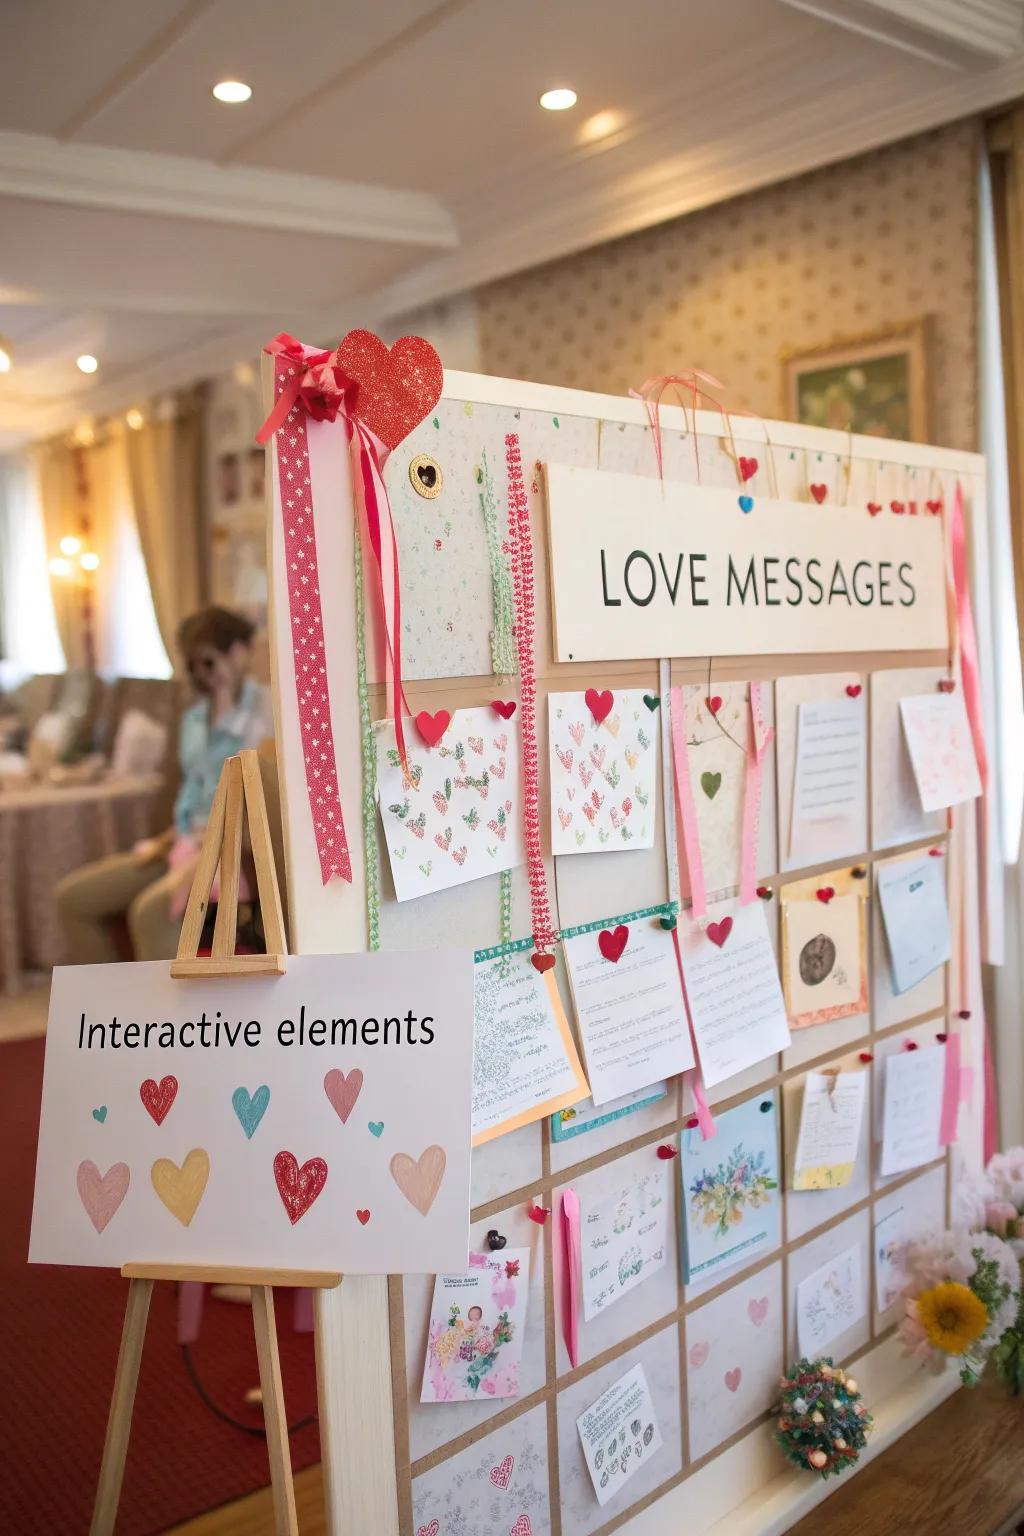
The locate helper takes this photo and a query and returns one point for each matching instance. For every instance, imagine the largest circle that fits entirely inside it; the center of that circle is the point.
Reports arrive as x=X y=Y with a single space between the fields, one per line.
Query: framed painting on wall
x=875 y=385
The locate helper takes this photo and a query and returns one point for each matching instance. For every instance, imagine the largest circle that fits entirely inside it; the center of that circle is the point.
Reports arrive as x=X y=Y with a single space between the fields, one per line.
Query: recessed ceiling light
x=232 y=91
x=558 y=100
x=86 y=363
x=135 y=419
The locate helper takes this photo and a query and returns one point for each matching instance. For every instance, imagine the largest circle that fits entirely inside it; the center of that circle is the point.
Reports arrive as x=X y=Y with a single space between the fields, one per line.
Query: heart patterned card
x=603 y=751
x=733 y=1359
x=457 y=814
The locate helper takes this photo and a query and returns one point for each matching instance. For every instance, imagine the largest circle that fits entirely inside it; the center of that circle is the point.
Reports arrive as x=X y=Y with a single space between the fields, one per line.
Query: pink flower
x=998 y=1216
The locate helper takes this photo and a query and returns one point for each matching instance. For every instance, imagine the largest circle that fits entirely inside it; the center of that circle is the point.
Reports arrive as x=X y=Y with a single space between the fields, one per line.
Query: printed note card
x=912 y=893
x=619 y=1433
x=830 y=1301
x=941 y=749
x=830 y=800
x=824 y=949
x=603 y=766
x=629 y=1002
x=730 y=1188
x=579 y=1118
x=830 y=1125
x=732 y=985
x=477 y=1320
x=911 y=1119
x=623 y=1239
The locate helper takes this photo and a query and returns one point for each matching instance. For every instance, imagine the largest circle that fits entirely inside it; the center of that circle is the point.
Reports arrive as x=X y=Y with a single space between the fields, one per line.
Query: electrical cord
x=258 y=1431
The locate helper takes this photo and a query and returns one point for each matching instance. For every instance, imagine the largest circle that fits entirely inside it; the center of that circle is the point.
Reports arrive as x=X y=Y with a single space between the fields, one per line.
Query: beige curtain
x=164 y=476
x=58 y=478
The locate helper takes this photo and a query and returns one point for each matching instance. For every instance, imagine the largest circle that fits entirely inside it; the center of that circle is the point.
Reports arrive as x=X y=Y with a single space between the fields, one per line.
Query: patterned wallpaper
x=846 y=250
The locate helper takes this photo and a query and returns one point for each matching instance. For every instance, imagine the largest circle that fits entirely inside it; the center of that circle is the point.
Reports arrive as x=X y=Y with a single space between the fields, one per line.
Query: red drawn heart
x=298 y=1187
x=542 y=963
x=719 y=932
x=362 y=1217
x=825 y=893
x=853 y=690
x=897 y=506
x=934 y=507
x=819 y=492
x=433 y=727
x=599 y=704
x=748 y=467
x=874 y=507
x=429 y=1530
x=611 y=944
x=397 y=387
x=501 y=1475
x=947 y=685
x=714 y=703
x=158 y=1098
x=506 y=711
x=522 y=1527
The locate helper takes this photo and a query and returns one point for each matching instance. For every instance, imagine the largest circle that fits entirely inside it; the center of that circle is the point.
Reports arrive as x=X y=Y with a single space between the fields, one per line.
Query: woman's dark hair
x=219 y=627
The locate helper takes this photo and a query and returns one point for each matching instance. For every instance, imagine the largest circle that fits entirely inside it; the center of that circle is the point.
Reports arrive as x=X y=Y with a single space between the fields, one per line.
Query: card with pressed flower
x=475 y=1338
x=456 y=815
x=730 y=1189
x=830 y=1301
x=603 y=764
x=623 y=1239
x=824 y=948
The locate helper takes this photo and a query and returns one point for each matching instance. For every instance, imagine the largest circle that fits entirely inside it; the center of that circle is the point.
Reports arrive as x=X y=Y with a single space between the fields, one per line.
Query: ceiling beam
x=961 y=34
x=172 y=186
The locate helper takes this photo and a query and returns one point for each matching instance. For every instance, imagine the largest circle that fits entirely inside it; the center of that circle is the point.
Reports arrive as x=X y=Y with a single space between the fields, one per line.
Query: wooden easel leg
x=275 y=1420
x=119 y=1422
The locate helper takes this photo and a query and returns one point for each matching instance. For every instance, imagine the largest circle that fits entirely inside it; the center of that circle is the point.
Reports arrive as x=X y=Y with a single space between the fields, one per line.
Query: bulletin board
x=397 y=1467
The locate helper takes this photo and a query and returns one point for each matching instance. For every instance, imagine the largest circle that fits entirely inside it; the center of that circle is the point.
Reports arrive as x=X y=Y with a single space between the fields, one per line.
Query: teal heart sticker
x=652 y=701
x=746 y=503
x=250 y=1108
x=375 y=1128
x=100 y=1114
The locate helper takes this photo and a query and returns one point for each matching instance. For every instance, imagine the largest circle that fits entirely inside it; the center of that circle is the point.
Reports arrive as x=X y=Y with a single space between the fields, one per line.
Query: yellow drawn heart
x=181 y=1189
x=419 y=1180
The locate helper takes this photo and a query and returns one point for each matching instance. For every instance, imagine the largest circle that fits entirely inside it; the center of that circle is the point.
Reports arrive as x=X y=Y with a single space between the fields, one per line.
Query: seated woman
x=231 y=712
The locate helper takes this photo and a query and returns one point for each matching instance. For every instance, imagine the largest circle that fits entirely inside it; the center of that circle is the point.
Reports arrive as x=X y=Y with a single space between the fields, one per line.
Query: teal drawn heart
x=746 y=503
x=652 y=701
x=375 y=1128
x=250 y=1108
x=711 y=783
x=100 y=1114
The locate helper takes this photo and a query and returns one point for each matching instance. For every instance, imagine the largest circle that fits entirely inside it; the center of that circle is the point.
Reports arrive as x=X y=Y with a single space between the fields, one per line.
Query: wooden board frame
x=363 y=1393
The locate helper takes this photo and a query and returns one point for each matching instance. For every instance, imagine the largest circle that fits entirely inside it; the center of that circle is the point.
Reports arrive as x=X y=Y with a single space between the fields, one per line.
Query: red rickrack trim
x=544 y=934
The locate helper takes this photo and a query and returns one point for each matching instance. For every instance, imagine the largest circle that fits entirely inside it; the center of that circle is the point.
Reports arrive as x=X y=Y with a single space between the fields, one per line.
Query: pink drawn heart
x=757 y=1310
x=102 y=1193
x=298 y=1187
x=429 y=1530
x=158 y=1097
x=612 y=944
x=819 y=492
x=699 y=1354
x=343 y=1089
x=599 y=704
x=522 y=1527
x=732 y=1379
x=419 y=1179
x=719 y=932
x=433 y=727
x=501 y=1475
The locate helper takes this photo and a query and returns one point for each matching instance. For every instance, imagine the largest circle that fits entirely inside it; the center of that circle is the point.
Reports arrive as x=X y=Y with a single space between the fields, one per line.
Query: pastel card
x=830 y=799
x=730 y=1189
x=830 y=1301
x=525 y=1063
x=941 y=749
x=824 y=948
x=477 y=1322
x=733 y=1359
x=603 y=765
x=896 y=814
x=732 y=987
x=619 y=1433
x=818 y=689
x=587 y=1116
x=456 y=815
x=912 y=1113
x=494 y=1484
x=717 y=726
x=912 y=893
x=831 y=1116
x=623 y=1239
x=902 y=1216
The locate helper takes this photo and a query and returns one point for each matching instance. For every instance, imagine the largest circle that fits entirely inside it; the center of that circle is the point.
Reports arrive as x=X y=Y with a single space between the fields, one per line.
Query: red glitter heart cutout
x=397 y=386
x=298 y=1187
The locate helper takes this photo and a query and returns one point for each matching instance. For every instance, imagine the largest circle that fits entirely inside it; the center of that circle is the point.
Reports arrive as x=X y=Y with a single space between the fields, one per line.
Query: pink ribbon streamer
x=695 y=1076
x=651 y=391
x=571 y=1277
x=757 y=745
x=950 y=1092
x=687 y=835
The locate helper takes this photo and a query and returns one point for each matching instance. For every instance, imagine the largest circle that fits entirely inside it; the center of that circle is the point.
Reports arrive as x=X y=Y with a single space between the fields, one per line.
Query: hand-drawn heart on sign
x=419 y=1179
x=397 y=387
x=298 y=1187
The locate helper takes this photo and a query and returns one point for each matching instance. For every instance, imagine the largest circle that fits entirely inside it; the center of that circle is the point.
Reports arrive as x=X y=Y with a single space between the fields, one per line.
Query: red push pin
x=667 y=1153
x=692 y=1123
x=765 y=892
x=538 y=1213
x=910 y=1045
x=935 y=853
x=964 y=1013
x=865 y=1056
x=942 y=1039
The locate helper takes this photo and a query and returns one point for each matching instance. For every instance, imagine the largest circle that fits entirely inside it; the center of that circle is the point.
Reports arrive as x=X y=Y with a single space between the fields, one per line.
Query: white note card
x=830 y=802
x=829 y=1136
x=630 y=1009
x=913 y=1108
x=732 y=984
x=913 y=897
x=829 y=1301
x=941 y=749
x=619 y=1433
x=623 y=1239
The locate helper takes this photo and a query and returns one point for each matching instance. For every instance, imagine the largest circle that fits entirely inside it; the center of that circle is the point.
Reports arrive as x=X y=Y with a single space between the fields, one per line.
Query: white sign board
x=319 y=1119
x=643 y=568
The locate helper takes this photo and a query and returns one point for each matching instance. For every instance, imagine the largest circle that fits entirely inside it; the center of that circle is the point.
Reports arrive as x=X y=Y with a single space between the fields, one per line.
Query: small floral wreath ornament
x=823 y=1425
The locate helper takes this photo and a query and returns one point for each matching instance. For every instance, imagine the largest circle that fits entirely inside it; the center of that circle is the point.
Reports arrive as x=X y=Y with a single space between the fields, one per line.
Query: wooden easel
x=239 y=794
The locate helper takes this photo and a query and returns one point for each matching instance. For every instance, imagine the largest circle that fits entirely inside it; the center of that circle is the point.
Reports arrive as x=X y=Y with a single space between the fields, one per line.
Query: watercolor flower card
x=603 y=751
x=475 y=1339
x=731 y=1189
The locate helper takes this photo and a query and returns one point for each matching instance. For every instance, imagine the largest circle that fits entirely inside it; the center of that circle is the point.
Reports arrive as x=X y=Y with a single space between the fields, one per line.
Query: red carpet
x=59 y=1334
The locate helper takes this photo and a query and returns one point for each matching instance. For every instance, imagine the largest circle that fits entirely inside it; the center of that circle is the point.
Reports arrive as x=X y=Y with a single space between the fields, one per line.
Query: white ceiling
x=394 y=153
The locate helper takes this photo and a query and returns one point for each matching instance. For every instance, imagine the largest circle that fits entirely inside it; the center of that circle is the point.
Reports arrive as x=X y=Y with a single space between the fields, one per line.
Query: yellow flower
x=952 y=1317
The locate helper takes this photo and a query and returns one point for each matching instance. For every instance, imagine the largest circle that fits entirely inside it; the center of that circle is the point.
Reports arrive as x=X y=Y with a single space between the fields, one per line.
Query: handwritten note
x=736 y=1003
x=830 y=1124
x=619 y=1433
x=941 y=749
x=630 y=1010
x=829 y=1301
x=623 y=1239
x=913 y=897
x=913 y=1108
x=830 y=803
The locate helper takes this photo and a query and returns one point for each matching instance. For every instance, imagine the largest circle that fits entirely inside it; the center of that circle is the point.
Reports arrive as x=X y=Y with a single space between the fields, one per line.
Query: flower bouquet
x=962 y=1296
x=995 y=1201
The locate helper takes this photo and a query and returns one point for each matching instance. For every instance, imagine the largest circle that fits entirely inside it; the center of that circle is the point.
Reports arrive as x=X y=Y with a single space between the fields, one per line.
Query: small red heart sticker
x=666 y=1153
x=947 y=685
x=819 y=492
x=541 y=962
x=898 y=506
x=362 y=1217
x=714 y=703
x=853 y=690
x=874 y=507
x=599 y=704
x=942 y=1038
x=910 y=1045
x=538 y=1213
x=433 y=727
x=748 y=468
x=825 y=893
x=865 y=1056
x=719 y=932
x=611 y=944
x=505 y=710
x=934 y=507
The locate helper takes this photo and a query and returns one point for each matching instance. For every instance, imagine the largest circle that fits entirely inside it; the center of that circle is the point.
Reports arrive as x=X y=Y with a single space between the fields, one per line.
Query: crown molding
x=961 y=34
x=174 y=186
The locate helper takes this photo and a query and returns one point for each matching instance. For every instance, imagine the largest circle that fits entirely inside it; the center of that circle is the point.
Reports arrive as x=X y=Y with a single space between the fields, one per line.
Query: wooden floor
x=960 y=1471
